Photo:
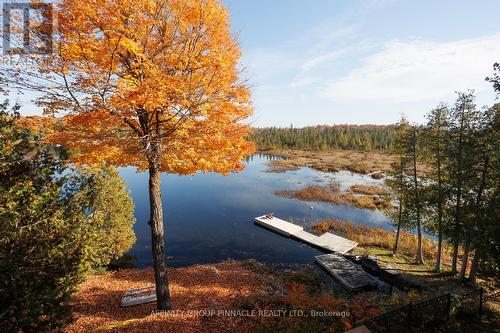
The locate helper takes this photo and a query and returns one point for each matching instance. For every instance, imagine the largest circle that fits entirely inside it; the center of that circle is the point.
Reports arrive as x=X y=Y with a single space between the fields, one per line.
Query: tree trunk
x=420 y=258
x=396 y=242
x=158 y=244
x=473 y=267
x=465 y=259
x=456 y=238
x=475 y=243
x=437 y=268
x=400 y=216
x=459 y=196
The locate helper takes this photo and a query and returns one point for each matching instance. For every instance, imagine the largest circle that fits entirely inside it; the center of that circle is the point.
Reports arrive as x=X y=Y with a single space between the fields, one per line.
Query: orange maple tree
x=153 y=84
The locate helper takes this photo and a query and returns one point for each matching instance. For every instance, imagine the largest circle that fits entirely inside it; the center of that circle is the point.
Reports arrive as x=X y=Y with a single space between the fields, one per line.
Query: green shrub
x=56 y=224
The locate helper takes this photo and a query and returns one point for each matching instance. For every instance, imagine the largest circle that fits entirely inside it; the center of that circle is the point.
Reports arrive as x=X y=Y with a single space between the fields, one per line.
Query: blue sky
x=352 y=61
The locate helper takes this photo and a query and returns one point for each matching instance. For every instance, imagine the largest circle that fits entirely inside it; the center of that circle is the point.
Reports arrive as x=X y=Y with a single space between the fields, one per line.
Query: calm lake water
x=209 y=217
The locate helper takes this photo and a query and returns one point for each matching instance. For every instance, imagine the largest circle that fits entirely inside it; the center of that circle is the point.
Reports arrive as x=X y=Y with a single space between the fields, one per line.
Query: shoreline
x=363 y=162
x=204 y=294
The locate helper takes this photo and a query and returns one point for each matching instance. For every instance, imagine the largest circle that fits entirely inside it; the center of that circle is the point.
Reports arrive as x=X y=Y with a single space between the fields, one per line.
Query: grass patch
x=365 y=162
x=353 y=160
x=312 y=193
x=332 y=194
x=366 y=201
x=283 y=165
x=377 y=237
x=368 y=189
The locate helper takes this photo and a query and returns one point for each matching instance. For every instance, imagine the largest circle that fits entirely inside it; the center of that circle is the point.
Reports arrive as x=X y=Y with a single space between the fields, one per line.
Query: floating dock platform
x=327 y=241
x=346 y=272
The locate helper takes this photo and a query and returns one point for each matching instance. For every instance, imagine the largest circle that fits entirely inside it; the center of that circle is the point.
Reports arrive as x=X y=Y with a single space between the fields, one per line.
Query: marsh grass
x=312 y=193
x=368 y=189
x=335 y=186
x=366 y=201
x=333 y=194
x=363 y=162
x=377 y=237
x=372 y=162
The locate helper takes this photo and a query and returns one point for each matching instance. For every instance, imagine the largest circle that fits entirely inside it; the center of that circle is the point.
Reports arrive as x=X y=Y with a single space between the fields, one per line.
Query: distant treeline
x=363 y=137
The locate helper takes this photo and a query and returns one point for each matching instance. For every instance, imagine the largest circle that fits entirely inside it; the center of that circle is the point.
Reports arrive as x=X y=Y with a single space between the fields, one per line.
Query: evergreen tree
x=434 y=143
x=405 y=184
x=460 y=164
x=486 y=233
x=397 y=180
x=414 y=204
x=55 y=225
x=324 y=138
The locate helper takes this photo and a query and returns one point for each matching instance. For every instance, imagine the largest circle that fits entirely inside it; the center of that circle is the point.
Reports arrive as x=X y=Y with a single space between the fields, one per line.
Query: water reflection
x=267 y=157
x=209 y=217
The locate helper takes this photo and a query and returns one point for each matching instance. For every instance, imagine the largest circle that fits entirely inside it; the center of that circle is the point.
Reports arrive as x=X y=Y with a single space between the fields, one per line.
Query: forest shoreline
x=364 y=162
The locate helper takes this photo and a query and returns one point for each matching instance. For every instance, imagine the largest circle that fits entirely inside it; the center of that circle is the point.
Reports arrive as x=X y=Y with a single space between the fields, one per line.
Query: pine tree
x=486 y=232
x=460 y=156
x=415 y=199
x=398 y=179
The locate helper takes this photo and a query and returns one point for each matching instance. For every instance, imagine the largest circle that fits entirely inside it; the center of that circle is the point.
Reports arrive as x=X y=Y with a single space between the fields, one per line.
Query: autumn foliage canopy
x=147 y=83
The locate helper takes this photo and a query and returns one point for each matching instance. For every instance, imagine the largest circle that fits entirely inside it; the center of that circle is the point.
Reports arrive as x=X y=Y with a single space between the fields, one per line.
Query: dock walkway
x=327 y=241
x=337 y=265
x=345 y=271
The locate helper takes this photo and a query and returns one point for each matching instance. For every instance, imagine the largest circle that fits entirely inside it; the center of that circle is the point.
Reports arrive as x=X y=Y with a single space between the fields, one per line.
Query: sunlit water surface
x=209 y=217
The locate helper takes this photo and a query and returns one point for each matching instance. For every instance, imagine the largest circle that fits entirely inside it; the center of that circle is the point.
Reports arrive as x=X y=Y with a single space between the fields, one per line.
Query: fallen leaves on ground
x=221 y=286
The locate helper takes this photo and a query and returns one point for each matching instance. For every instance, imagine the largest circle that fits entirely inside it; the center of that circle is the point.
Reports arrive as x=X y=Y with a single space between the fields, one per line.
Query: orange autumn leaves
x=150 y=72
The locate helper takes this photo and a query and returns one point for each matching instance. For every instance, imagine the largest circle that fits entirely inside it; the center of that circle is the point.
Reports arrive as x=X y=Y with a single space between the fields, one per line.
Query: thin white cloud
x=319 y=67
x=326 y=34
x=418 y=70
x=301 y=81
x=318 y=60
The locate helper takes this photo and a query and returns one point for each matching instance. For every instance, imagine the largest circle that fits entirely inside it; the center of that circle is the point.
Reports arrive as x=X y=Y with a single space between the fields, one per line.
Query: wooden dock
x=327 y=241
x=345 y=271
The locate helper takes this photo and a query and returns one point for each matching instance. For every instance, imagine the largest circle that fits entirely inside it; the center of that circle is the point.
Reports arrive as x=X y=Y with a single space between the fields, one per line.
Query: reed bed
x=333 y=195
x=367 y=236
x=368 y=189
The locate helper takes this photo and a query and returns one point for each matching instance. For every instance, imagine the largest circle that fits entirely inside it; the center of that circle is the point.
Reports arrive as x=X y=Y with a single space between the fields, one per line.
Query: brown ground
x=221 y=286
x=96 y=304
x=352 y=160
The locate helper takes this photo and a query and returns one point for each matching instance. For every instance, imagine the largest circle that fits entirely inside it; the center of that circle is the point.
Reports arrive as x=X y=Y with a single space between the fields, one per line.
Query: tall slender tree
x=434 y=144
x=485 y=243
x=398 y=180
x=405 y=183
x=415 y=201
x=460 y=157
x=486 y=141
